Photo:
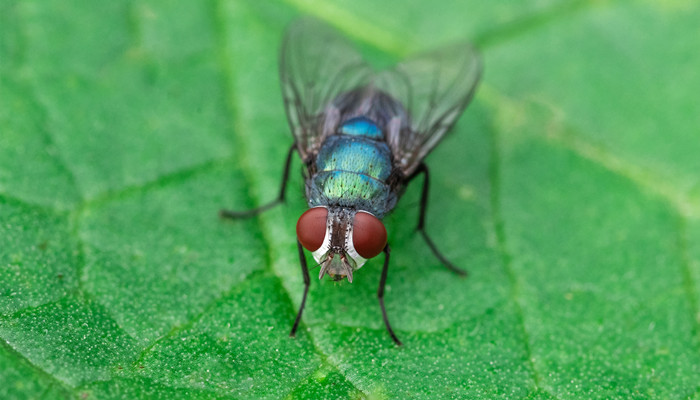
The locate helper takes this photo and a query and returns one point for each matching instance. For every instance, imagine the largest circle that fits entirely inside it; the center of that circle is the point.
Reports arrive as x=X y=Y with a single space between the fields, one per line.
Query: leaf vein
x=35 y=367
x=10 y=199
x=177 y=176
x=689 y=283
x=34 y=94
x=176 y=329
x=502 y=248
x=563 y=134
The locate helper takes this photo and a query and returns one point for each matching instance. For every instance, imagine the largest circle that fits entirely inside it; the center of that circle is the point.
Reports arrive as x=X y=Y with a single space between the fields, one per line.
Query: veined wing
x=317 y=65
x=434 y=87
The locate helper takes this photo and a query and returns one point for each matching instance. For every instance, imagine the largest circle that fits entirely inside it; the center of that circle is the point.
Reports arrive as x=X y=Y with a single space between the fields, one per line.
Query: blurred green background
x=570 y=190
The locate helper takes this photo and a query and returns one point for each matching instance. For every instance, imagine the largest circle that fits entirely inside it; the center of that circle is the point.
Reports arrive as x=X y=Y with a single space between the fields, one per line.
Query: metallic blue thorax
x=352 y=169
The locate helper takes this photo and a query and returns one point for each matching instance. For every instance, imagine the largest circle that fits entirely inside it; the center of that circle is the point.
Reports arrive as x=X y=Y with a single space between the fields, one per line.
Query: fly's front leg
x=380 y=295
x=307 y=282
x=422 y=168
x=279 y=200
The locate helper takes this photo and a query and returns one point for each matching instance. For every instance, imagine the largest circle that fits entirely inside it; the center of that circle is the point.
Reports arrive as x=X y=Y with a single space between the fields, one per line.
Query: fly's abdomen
x=352 y=169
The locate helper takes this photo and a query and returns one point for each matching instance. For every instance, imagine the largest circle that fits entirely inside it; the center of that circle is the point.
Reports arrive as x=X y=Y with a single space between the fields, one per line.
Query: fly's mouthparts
x=337 y=266
x=325 y=262
x=324 y=268
x=348 y=272
x=347 y=267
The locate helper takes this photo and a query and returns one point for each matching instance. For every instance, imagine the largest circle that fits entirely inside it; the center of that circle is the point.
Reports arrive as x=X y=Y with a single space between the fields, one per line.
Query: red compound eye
x=311 y=228
x=368 y=235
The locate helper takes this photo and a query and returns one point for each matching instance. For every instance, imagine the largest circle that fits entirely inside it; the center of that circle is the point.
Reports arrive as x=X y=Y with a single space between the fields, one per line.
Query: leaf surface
x=570 y=190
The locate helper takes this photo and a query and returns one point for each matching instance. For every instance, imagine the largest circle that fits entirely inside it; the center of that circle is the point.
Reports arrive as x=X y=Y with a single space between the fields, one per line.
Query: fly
x=362 y=136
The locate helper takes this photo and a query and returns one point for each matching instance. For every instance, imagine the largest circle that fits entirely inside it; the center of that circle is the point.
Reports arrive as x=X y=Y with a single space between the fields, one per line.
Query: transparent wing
x=317 y=64
x=434 y=88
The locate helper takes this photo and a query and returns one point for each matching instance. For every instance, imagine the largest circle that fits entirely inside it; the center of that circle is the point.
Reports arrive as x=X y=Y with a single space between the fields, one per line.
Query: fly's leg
x=307 y=282
x=422 y=168
x=380 y=295
x=279 y=200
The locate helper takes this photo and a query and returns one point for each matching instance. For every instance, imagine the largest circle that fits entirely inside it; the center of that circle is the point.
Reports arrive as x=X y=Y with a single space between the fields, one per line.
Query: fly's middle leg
x=380 y=295
x=223 y=213
x=307 y=282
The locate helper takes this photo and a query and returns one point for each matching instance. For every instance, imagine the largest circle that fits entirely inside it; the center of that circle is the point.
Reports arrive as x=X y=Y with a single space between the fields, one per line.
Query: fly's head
x=341 y=239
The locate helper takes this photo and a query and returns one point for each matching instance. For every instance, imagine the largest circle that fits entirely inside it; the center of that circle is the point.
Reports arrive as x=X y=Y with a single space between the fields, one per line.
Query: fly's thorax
x=350 y=237
x=361 y=126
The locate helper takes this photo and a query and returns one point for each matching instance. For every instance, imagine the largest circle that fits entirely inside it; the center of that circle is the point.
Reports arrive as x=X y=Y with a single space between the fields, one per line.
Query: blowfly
x=362 y=136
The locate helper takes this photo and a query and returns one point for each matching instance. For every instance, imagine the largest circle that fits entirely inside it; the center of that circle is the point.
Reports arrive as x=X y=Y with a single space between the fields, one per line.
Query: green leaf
x=570 y=190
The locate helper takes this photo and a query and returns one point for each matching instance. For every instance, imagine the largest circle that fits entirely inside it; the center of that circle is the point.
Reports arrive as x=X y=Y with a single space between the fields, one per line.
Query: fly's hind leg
x=422 y=168
x=223 y=213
